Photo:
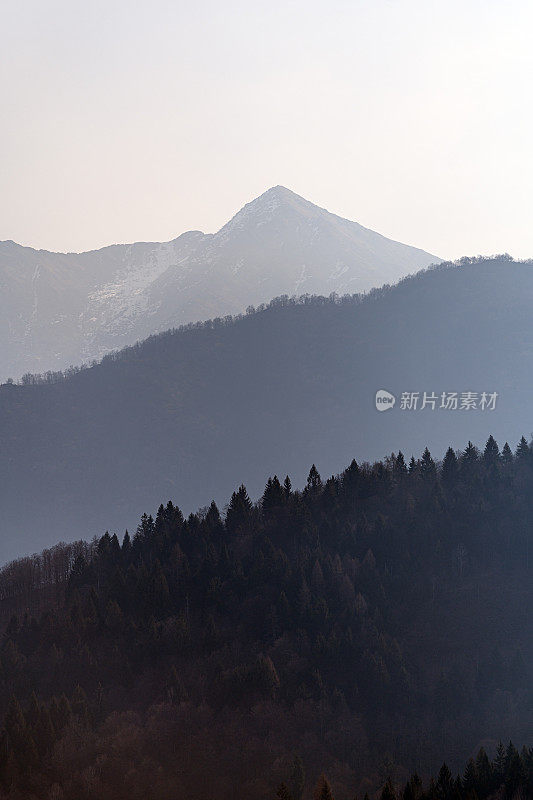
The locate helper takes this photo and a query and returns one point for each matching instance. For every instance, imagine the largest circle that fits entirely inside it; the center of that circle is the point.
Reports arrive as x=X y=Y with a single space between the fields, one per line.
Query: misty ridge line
x=56 y=376
x=189 y=412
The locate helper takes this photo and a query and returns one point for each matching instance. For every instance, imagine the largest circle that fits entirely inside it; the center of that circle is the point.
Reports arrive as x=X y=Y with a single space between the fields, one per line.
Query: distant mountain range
x=190 y=414
x=58 y=309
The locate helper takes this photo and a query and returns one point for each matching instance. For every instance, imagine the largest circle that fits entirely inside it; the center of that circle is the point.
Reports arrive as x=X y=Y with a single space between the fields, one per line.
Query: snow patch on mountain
x=62 y=308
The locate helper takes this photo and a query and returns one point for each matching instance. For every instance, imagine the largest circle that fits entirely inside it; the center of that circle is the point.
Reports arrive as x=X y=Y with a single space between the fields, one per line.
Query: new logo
x=384 y=400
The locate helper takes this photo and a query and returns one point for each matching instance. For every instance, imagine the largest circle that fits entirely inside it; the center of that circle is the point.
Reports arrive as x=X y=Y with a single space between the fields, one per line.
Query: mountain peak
x=280 y=192
x=277 y=197
x=279 y=243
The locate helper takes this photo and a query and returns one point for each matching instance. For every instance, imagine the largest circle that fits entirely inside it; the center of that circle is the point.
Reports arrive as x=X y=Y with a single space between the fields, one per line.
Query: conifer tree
x=273 y=496
x=174 y=687
x=43 y=732
x=113 y=616
x=239 y=510
x=470 y=776
x=33 y=712
x=427 y=466
x=213 y=522
x=469 y=457
x=400 y=467
x=283 y=793
x=413 y=789
x=507 y=454
x=483 y=772
x=449 y=467
x=445 y=783
x=322 y=790
x=491 y=454
x=297 y=778
x=14 y=723
x=515 y=775
x=64 y=713
x=314 y=481
x=522 y=451
x=159 y=592
x=388 y=792
x=80 y=706
x=499 y=763
x=114 y=549
x=126 y=545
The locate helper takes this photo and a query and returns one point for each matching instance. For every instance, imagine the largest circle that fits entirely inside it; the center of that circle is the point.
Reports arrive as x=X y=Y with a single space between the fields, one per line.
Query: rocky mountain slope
x=58 y=309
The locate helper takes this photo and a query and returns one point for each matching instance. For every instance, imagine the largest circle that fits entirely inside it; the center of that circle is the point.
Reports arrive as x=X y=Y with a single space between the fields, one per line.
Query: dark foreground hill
x=190 y=412
x=372 y=625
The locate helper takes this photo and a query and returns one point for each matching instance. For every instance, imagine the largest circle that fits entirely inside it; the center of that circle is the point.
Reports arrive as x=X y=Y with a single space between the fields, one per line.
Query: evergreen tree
x=314 y=481
x=483 y=772
x=126 y=545
x=427 y=466
x=499 y=764
x=469 y=458
x=43 y=731
x=297 y=778
x=80 y=706
x=388 y=792
x=322 y=790
x=33 y=712
x=507 y=454
x=470 y=776
x=14 y=723
x=400 y=467
x=445 y=783
x=239 y=510
x=113 y=616
x=273 y=496
x=283 y=793
x=413 y=788
x=522 y=450
x=491 y=454
x=449 y=467
x=515 y=776
x=213 y=522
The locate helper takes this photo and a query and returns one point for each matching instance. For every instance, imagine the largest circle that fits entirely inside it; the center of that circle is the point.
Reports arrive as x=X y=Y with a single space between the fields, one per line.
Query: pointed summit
x=278 y=196
x=279 y=243
x=272 y=200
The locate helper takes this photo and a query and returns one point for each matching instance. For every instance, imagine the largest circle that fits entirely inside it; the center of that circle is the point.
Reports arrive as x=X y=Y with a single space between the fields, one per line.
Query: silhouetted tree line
x=370 y=622
x=508 y=775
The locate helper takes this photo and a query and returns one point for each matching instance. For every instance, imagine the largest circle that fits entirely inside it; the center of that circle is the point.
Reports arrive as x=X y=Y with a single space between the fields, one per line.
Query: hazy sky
x=124 y=121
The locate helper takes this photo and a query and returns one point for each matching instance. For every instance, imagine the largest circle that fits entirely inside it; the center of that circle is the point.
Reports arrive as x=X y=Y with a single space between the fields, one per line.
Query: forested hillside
x=187 y=414
x=370 y=626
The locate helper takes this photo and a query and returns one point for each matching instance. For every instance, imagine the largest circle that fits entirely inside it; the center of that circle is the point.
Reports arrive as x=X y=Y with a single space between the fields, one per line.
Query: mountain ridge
x=185 y=414
x=59 y=309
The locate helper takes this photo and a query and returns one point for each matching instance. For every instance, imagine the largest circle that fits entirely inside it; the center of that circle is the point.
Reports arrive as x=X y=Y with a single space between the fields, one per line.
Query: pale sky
x=123 y=121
